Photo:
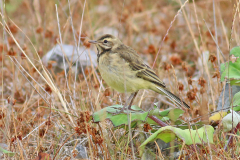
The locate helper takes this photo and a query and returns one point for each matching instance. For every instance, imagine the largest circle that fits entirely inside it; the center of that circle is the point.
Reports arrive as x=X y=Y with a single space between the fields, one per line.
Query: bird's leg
x=129 y=101
x=133 y=97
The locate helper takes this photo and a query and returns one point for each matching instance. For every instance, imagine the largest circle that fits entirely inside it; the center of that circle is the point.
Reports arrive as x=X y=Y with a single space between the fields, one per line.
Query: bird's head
x=106 y=42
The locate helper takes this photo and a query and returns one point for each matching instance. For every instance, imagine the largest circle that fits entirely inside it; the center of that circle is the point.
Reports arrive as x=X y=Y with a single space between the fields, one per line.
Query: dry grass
x=40 y=109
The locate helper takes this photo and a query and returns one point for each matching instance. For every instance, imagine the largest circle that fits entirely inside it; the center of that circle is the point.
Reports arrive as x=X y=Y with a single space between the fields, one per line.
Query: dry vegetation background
x=27 y=124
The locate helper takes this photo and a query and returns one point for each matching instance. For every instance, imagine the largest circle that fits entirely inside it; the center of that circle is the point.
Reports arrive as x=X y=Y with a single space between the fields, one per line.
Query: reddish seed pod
x=202 y=82
x=175 y=59
x=180 y=86
x=216 y=74
x=189 y=80
x=191 y=95
x=147 y=127
x=11 y=52
x=151 y=49
x=212 y=58
x=166 y=66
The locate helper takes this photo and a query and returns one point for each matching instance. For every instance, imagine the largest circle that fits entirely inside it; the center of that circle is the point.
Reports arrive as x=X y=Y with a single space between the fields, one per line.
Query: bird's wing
x=137 y=64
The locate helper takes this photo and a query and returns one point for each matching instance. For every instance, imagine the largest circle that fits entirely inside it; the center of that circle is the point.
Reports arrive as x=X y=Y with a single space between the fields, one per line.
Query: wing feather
x=137 y=64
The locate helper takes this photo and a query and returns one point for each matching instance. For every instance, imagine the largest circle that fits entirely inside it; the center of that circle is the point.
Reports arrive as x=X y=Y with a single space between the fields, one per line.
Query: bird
x=122 y=68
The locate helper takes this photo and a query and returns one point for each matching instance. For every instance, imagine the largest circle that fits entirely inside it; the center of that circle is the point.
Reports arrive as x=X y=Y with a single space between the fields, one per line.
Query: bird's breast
x=117 y=74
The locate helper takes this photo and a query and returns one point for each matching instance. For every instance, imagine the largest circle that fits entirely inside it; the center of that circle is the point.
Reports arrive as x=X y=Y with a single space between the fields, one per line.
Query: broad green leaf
x=175 y=113
x=236 y=99
x=122 y=118
x=189 y=136
x=231 y=70
x=136 y=115
x=9 y=153
x=164 y=113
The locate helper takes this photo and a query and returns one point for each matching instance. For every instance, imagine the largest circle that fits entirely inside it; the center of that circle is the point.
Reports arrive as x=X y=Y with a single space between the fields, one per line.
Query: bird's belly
x=119 y=75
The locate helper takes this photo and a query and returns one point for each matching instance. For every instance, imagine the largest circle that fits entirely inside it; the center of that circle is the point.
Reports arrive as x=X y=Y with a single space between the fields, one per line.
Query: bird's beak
x=93 y=42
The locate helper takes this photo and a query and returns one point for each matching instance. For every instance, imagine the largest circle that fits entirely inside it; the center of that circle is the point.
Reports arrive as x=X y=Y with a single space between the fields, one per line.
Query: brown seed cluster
x=192 y=94
x=2 y=115
x=212 y=58
x=189 y=81
x=147 y=127
x=180 y=86
x=84 y=127
x=202 y=82
x=166 y=66
x=11 y=52
x=151 y=49
x=176 y=59
x=48 y=88
x=216 y=74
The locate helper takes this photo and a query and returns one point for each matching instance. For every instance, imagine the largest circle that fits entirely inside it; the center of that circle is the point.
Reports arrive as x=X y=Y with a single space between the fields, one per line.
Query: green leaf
x=122 y=118
x=136 y=115
x=189 y=136
x=9 y=153
x=236 y=99
x=164 y=113
x=231 y=70
x=175 y=113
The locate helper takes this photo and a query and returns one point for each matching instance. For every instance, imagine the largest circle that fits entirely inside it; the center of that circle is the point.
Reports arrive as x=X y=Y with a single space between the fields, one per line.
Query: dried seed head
x=74 y=153
x=166 y=66
x=98 y=139
x=39 y=30
x=202 y=82
x=216 y=74
x=48 y=123
x=147 y=127
x=191 y=95
x=11 y=52
x=48 y=88
x=180 y=86
x=175 y=59
x=2 y=115
x=84 y=117
x=19 y=136
x=48 y=34
x=151 y=49
x=189 y=79
x=13 y=139
x=13 y=28
x=107 y=92
x=173 y=45
x=212 y=58
x=42 y=132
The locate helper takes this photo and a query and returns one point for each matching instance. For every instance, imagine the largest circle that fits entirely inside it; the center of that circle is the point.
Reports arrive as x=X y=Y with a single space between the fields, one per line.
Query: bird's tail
x=176 y=100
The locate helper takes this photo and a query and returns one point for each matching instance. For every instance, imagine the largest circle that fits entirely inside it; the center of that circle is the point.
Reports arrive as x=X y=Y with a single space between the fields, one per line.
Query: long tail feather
x=176 y=100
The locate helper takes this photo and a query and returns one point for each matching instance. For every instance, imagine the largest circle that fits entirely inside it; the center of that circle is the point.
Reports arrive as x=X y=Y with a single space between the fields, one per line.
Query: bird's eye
x=105 y=41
